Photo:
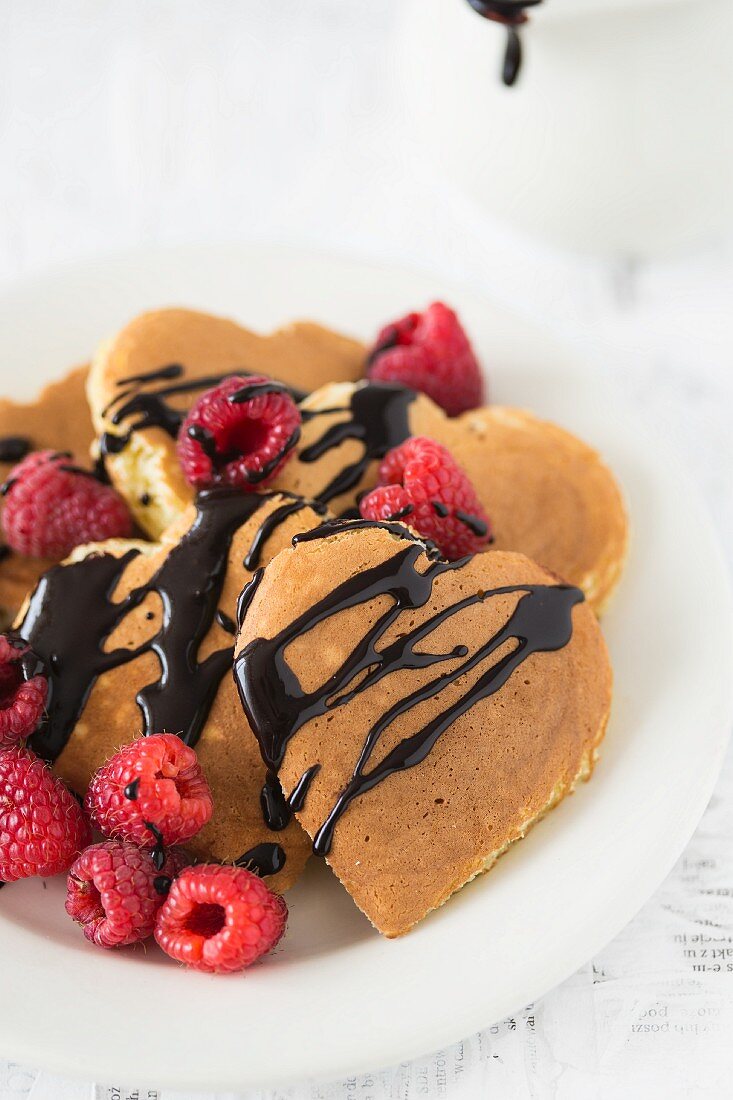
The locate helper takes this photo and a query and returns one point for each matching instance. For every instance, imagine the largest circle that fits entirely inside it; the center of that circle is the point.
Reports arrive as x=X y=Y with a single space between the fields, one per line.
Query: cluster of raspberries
x=148 y=798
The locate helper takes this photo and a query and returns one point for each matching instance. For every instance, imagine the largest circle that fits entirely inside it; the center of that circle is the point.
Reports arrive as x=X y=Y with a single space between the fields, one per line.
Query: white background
x=178 y=120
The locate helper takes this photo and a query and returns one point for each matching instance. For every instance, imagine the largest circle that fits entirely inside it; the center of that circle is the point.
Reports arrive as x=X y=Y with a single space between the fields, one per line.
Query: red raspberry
x=152 y=781
x=219 y=919
x=42 y=827
x=51 y=506
x=239 y=433
x=423 y=484
x=430 y=352
x=23 y=691
x=114 y=892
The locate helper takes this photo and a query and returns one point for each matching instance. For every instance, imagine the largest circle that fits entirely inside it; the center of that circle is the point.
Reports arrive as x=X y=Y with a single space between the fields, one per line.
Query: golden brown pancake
x=549 y=495
x=168 y=613
x=57 y=420
x=146 y=470
x=426 y=713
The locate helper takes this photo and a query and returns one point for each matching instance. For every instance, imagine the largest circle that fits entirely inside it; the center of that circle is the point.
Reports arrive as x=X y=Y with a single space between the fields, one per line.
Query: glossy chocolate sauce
x=157 y=853
x=131 y=790
x=72 y=646
x=378 y=419
x=264 y=859
x=226 y=622
x=14 y=448
x=277 y=707
x=272 y=522
x=512 y=14
x=138 y=397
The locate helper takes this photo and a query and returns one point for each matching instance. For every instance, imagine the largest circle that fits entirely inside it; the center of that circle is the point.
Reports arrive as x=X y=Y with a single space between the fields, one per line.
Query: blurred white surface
x=605 y=144
x=178 y=120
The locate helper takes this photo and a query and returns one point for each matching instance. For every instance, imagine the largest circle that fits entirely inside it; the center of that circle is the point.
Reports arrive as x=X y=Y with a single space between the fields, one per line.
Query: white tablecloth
x=177 y=120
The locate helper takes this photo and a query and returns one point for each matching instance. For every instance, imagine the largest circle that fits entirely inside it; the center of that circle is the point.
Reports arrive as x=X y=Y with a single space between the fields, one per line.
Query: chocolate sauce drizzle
x=151 y=407
x=226 y=622
x=131 y=790
x=189 y=584
x=378 y=418
x=14 y=448
x=157 y=854
x=512 y=15
x=264 y=859
x=277 y=707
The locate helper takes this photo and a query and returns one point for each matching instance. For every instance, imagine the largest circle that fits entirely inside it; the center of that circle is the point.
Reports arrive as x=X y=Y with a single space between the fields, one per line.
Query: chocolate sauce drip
x=162 y=884
x=513 y=15
x=277 y=810
x=264 y=859
x=72 y=647
x=272 y=522
x=145 y=499
x=475 y=525
x=247 y=594
x=256 y=389
x=154 y=410
x=277 y=707
x=13 y=448
x=296 y=801
x=403 y=512
x=131 y=790
x=157 y=854
x=378 y=419
x=254 y=477
x=226 y=622
x=337 y=526
x=207 y=442
x=100 y=472
x=512 y=57
x=162 y=374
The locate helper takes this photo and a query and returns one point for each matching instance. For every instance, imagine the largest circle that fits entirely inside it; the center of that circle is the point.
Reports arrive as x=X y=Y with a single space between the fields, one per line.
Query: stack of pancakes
x=413 y=834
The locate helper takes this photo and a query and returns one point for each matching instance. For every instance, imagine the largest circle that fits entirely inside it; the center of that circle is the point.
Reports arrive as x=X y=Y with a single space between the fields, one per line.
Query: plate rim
x=20 y=1046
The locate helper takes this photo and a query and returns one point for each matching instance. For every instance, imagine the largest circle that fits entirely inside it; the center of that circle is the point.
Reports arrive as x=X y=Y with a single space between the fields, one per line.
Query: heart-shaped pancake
x=57 y=420
x=549 y=495
x=421 y=714
x=137 y=638
x=145 y=379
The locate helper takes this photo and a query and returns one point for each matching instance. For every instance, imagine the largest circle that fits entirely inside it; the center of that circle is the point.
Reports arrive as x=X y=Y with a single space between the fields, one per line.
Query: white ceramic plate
x=336 y=998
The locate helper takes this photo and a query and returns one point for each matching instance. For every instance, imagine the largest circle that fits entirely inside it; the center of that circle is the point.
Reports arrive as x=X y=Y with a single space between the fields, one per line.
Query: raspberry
x=51 y=506
x=239 y=433
x=42 y=827
x=152 y=781
x=23 y=691
x=114 y=892
x=430 y=352
x=219 y=919
x=422 y=483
